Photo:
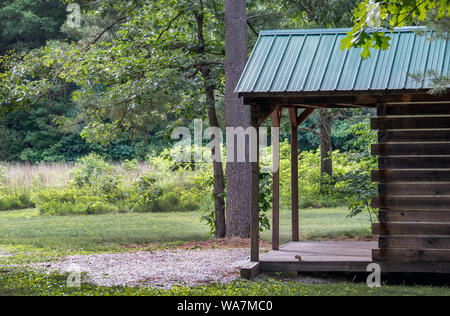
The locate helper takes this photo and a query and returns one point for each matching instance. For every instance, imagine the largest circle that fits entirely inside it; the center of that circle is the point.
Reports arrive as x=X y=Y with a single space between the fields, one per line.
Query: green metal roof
x=311 y=61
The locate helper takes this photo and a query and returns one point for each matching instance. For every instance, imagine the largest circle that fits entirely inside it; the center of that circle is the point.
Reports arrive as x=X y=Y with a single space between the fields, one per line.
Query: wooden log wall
x=414 y=182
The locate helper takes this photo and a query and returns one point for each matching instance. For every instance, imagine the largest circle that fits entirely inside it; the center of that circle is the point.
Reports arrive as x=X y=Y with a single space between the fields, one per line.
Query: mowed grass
x=325 y=223
x=109 y=231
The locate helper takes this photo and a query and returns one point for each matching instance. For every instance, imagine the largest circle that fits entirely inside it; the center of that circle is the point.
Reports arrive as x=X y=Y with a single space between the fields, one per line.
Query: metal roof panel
x=311 y=60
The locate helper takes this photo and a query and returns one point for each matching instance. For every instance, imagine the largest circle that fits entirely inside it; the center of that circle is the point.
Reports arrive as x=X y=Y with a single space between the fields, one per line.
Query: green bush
x=315 y=190
x=15 y=200
x=90 y=169
x=76 y=201
x=156 y=197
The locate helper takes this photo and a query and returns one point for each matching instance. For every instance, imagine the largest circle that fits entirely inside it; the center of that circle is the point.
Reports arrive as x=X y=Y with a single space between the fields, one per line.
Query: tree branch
x=169 y=25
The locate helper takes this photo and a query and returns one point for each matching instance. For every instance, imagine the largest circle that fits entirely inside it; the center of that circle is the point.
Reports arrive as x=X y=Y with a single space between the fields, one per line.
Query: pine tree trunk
x=238 y=115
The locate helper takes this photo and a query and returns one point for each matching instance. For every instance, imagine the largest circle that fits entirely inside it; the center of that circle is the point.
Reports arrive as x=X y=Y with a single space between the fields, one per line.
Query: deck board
x=338 y=257
x=322 y=251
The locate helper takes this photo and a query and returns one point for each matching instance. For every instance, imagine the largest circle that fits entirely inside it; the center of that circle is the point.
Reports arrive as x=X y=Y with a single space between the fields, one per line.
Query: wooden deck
x=333 y=257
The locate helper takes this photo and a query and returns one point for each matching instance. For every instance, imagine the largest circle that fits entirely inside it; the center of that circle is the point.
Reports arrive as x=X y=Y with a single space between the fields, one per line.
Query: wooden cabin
x=305 y=70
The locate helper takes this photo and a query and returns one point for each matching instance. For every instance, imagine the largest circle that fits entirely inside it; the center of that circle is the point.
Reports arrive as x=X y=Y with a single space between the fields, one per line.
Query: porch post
x=254 y=183
x=276 y=120
x=293 y=114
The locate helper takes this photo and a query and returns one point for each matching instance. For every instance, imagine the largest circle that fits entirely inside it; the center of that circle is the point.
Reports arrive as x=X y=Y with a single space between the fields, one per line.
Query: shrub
x=90 y=169
x=15 y=200
x=2 y=173
x=76 y=201
x=314 y=190
x=156 y=197
x=130 y=165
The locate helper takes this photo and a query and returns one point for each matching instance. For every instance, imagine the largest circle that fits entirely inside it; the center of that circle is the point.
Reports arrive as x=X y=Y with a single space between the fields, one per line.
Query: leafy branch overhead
x=374 y=18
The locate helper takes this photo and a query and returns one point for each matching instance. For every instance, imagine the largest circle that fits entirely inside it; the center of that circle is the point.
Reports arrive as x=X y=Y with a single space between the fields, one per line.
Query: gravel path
x=158 y=269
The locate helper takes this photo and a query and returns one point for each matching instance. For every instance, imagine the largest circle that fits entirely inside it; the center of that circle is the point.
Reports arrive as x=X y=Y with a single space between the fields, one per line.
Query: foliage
x=27 y=24
x=358 y=185
x=15 y=199
x=312 y=192
x=265 y=199
x=396 y=13
x=41 y=284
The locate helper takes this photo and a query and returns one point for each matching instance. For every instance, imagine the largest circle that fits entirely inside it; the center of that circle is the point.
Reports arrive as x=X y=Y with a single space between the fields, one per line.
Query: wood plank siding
x=414 y=182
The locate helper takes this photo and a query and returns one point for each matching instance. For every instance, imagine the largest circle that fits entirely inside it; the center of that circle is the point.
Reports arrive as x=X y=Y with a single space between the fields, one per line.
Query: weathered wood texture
x=411 y=255
x=414 y=242
x=250 y=270
x=411 y=149
x=412 y=229
x=418 y=135
x=254 y=184
x=411 y=122
x=412 y=216
x=414 y=183
x=294 y=173
x=276 y=121
x=344 y=257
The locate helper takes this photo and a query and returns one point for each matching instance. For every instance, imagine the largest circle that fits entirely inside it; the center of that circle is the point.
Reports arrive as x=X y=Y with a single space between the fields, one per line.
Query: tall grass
x=25 y=176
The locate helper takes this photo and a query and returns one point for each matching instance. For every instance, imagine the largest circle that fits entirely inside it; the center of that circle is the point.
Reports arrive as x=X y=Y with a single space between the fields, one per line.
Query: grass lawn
x=39 y=284
x=32 y=237
x=109 y=231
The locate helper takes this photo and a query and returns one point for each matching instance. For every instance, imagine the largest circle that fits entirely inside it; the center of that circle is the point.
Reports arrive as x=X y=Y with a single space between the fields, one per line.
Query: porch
x=303 y=71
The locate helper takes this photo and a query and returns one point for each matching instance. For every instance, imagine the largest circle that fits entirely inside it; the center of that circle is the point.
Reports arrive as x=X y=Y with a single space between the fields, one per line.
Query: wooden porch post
x=294 y=173
x=276 y=120
x=254 y=183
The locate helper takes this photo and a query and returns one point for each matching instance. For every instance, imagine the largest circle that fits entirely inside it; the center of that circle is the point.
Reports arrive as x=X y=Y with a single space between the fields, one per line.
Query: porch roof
x=311 y=62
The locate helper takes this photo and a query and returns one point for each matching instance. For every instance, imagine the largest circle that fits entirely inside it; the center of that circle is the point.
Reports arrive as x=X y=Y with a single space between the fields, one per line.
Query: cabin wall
x=414 y=182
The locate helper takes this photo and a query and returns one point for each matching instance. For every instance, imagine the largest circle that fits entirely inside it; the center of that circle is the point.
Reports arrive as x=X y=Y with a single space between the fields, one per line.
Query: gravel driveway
x=158 y=269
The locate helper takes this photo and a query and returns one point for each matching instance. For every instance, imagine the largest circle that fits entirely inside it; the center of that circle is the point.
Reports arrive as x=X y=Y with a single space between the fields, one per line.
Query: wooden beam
x=411 y=255
x=411 y=149
x=414 y=242
x=422 y=135
x=412 y=202
x=410 y=122
x=418 y=109
x=276 y=122
x=362 y=98
x=254 y=184
x=305 y=114
x=414 y=216
x=412 y=229
x=415 y=175
x=293 y=116
x=414 y=162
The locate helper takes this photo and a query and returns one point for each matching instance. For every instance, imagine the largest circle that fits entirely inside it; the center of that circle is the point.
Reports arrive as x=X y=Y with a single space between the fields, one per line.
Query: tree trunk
x=219 y=180
x=326 y=163
x=238 y=115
